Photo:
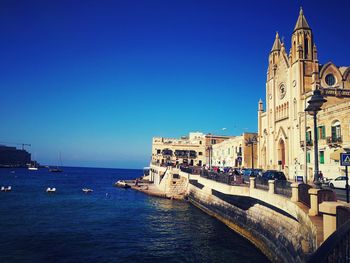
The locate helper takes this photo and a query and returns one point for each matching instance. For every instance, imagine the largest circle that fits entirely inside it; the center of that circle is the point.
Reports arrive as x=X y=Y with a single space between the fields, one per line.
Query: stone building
x=188 y=150
x=195 y=149
x=285 y=131
x=210 y=141
x=235 y=152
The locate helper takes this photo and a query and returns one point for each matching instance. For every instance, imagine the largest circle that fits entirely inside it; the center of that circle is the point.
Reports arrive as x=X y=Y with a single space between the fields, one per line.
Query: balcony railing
x=334 y=139
x=308 y=143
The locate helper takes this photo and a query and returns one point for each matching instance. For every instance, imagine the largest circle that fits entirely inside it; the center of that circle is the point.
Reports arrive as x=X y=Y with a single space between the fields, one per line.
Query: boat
x=6 y=189
x=87 y=190
x=122 y=184
x=32 y=166
x=51 y=190
x=57 y=169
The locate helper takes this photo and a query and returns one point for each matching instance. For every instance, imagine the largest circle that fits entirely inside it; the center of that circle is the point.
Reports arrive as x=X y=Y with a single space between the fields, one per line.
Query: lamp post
x=315 y=104
x=250 y=142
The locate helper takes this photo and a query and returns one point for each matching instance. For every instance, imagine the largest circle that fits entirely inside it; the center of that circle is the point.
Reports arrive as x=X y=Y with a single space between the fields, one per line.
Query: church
x=285 y=130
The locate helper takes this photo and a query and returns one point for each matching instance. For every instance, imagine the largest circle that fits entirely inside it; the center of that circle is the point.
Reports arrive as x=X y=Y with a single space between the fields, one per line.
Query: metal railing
x=343 y=215
x=336 y=248
x=308 y=143
x=326 y=195
x=334 y=139
x=226 y=178
x=261 y=183
x=303 y=194
x=283 y=187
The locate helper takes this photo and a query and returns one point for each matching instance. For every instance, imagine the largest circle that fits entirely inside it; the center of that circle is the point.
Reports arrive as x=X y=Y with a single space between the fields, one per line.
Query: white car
x=338 y=182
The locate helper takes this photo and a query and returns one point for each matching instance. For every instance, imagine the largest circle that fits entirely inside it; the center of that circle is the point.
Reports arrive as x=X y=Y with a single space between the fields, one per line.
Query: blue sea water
x=108 y=225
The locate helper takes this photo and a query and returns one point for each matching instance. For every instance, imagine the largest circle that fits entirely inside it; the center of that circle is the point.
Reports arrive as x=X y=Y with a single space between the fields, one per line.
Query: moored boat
x=6 y=189
x=51 y=190
x=33 y=166
x=122 y=184
x=55 y=170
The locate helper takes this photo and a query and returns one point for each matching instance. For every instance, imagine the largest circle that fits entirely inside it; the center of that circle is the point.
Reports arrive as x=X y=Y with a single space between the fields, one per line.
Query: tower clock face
x=282 y=91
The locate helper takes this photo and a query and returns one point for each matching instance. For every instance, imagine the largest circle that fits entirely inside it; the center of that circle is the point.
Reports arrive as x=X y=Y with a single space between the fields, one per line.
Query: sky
x=96 y=80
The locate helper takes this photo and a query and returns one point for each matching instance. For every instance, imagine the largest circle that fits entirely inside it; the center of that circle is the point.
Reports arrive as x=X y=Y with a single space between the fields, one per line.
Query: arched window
x=306 y=44
x=295 y=109
x=336 y=131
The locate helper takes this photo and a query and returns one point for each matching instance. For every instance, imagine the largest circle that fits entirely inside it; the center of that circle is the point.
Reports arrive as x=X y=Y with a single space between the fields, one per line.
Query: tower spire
x=276 y=44
x=301 y=22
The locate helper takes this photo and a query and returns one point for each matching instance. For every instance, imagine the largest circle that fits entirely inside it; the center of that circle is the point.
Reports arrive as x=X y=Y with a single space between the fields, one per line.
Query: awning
x=336 y=154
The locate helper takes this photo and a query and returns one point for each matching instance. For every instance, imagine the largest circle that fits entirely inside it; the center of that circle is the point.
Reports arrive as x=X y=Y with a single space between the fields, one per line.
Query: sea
x=108 y=225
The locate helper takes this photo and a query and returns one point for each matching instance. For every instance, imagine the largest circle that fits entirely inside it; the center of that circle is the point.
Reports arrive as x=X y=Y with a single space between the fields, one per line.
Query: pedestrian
x=320 y=176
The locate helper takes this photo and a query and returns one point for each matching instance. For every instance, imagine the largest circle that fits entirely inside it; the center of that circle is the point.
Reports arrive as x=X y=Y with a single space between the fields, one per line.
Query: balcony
x=334 y=141
x=309 y=143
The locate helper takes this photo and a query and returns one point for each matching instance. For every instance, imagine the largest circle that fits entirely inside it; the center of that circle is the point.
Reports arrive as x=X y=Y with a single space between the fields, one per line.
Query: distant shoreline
x=47 y=166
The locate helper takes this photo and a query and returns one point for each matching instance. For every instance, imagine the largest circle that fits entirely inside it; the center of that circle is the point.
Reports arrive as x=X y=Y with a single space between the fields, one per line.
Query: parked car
x=273 y=175
x=339 y=182
x=252 y=172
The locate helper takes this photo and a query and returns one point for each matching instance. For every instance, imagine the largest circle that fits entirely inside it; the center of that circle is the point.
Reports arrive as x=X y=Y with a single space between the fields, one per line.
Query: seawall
x=280 y=228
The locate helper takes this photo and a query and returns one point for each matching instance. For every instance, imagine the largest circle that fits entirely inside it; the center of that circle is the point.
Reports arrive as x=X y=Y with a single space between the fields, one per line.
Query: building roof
x=276 y=44
x=301 y=22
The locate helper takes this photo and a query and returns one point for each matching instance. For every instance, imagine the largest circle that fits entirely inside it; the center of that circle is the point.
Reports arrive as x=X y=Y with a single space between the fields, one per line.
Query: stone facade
x=190 y=150
x=235 y=152
x=285 y=131
x=195 y=149
x=210 y=141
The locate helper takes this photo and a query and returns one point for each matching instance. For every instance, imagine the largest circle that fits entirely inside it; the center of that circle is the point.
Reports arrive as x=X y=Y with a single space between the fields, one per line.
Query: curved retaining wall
x=273 y=223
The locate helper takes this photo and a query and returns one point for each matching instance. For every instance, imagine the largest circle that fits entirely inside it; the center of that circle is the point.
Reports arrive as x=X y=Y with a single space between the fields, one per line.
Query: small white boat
x=51 y=190
x=87 y=190
x=6 y=189
x=32 y=168
x=122 y=184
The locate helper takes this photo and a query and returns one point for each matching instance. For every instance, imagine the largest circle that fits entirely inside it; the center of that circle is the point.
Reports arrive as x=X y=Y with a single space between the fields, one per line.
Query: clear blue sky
x=96 y=80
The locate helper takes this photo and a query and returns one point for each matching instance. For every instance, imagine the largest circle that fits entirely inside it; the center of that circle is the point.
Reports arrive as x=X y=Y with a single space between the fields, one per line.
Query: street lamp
x=250 y=142
x=315 y=104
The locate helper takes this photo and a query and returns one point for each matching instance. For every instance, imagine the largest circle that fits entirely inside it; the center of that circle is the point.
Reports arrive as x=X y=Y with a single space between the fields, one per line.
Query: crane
x=15 y=143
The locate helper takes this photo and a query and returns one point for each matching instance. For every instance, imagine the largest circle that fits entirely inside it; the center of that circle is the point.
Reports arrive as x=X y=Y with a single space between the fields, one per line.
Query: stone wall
x=177 y=187
x=273 y=223
x=279 y=235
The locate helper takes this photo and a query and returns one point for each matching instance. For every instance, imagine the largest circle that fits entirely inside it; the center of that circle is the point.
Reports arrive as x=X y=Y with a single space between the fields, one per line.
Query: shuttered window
x=322 y=157
x=321 y=132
